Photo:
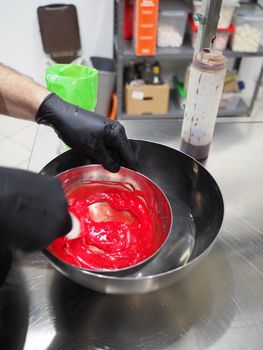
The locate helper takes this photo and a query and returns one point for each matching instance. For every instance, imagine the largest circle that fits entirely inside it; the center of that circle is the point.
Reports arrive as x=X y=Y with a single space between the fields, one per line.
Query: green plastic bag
x=74 y=83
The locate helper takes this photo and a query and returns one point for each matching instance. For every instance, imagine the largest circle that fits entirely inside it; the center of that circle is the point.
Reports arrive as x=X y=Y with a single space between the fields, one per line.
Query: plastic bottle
x=156 y=69
x=131 y=73
x=206 y=83
x=148 y=74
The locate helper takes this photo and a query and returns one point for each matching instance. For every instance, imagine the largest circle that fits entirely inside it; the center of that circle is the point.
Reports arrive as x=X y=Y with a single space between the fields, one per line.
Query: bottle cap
x=156 y=69
x=241 y=85
x=210 y=60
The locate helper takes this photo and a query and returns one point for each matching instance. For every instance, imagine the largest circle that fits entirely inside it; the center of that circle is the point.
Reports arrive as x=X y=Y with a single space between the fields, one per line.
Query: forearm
x=20 y=96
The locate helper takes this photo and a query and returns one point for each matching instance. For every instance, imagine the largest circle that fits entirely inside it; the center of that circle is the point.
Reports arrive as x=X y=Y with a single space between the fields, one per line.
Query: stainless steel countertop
x=219 y=305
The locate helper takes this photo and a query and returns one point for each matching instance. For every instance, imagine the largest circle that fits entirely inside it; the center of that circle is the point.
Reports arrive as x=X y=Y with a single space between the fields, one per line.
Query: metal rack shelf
x=124 y=52
x=184 y=52
x=177 y=113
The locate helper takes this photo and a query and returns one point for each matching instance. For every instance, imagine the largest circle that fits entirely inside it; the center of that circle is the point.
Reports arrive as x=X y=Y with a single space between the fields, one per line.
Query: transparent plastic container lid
x=232 y=3
x=250 y=12
x=194 y=27
x=179 y=13
x=175 y=8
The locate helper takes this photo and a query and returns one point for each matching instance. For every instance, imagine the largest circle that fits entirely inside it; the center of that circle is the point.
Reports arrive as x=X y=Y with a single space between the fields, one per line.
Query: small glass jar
x=205 y=88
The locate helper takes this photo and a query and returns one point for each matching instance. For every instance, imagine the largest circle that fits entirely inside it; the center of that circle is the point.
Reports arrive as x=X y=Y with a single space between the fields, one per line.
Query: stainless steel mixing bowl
x=154 y=197
x=197 y=207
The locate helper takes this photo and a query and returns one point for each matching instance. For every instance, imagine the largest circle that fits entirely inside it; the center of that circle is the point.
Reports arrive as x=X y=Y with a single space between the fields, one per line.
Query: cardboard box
x=147 y=99
x=145 y=27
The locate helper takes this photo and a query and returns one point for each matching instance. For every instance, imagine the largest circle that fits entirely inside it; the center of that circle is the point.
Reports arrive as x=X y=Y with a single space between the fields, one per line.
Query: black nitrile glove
x=103 y=140
x=33 y=209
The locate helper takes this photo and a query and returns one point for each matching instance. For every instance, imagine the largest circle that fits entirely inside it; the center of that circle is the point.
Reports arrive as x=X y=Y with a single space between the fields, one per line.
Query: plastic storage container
x=248 y=35
x=226 y=13
x=230 y=100
x=222 y=36
x=171 y=24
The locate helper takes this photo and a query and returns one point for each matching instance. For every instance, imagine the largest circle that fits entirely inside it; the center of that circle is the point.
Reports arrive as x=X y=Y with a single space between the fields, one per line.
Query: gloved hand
x=33 y=210
x=103 y=140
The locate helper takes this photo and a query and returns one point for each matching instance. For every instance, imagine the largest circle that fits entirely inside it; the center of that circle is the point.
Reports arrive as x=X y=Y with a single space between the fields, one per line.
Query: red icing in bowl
x=118 y=227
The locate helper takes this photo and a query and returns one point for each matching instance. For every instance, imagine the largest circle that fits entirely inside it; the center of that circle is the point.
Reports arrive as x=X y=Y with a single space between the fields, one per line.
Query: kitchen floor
x=17 y=139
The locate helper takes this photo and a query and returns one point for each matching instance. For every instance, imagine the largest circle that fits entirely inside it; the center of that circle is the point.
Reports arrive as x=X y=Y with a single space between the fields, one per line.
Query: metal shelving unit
x=124 y=52
x=177 y=113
